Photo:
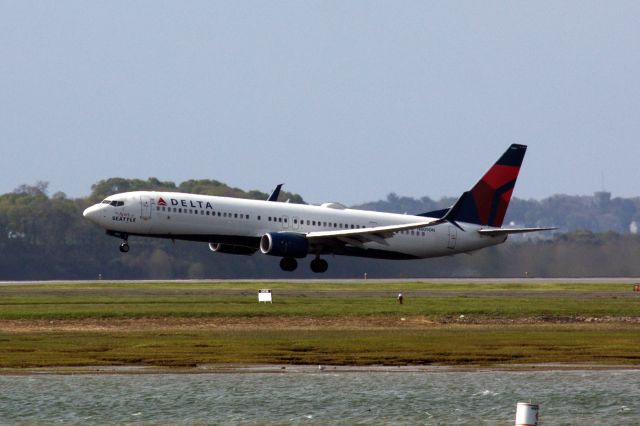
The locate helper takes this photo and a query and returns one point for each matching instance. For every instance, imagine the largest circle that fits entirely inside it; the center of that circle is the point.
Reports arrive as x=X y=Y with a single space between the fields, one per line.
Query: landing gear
x=124 y=247
x=288 y=264
x=319 y=265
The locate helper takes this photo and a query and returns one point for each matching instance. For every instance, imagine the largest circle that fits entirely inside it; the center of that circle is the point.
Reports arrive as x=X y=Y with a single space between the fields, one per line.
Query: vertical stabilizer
x=486 y=203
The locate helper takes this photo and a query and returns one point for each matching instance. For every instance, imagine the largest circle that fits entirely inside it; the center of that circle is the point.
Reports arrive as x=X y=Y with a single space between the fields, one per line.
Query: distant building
x=602 y=199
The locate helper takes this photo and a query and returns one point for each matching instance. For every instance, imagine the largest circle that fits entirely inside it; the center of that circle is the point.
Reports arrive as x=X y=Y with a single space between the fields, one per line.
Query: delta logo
x=196 y=204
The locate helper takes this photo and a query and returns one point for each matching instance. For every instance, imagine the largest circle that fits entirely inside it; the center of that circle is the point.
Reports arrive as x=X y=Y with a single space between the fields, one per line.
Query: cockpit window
x=113 y=203
x=106 y=201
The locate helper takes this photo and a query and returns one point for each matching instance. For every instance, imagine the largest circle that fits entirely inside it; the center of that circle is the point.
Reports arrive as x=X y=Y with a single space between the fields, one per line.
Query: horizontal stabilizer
x=508 y=231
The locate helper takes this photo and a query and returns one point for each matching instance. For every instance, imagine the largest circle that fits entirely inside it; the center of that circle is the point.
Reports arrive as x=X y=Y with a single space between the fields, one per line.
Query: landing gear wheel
x=288 y=264
x=124 y=247
x=319 y=265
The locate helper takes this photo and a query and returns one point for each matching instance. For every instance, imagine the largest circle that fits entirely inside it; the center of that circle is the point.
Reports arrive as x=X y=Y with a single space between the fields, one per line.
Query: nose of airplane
x=91 y=213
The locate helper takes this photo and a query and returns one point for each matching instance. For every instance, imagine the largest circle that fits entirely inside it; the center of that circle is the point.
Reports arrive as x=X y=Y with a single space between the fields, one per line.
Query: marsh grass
x=471 y=345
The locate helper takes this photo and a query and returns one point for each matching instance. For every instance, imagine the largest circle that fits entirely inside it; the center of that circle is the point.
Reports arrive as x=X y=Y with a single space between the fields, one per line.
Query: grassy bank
x=203 y=306
x=319 y=323
x=433 y=300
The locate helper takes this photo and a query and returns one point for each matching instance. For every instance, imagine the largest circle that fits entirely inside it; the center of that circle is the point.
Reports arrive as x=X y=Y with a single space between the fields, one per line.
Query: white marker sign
x=264 y=295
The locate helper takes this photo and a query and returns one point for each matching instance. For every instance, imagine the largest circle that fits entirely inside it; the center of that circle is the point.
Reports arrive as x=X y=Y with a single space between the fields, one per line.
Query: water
x=322 y=398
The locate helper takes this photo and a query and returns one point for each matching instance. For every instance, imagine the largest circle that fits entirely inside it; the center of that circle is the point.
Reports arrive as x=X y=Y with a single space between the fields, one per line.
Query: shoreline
x=308 y=369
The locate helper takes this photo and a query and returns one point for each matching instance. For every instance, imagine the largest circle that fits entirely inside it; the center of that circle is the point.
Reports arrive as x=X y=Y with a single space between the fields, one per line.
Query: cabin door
x=453 y=236
x=145 y=205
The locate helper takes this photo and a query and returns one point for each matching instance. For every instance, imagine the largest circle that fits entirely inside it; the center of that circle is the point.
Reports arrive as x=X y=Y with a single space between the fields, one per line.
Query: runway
x=587 y=280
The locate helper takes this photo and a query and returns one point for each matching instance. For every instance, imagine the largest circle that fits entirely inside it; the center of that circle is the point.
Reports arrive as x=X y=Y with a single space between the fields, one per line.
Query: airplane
x=294 y=231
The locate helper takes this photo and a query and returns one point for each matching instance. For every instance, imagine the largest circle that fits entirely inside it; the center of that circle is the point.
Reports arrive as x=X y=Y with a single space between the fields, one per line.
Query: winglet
x=276 y=192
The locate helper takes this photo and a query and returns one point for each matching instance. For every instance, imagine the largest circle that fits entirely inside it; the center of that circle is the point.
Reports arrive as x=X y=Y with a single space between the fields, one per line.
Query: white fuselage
x=243 y=222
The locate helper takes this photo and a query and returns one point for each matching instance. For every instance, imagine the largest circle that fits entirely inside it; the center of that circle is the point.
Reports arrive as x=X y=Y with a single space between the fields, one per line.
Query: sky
x=341 y=100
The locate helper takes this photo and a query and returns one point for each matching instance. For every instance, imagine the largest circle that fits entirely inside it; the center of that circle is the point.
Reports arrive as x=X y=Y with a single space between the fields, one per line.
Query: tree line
x=597 y=213
x=44 y=237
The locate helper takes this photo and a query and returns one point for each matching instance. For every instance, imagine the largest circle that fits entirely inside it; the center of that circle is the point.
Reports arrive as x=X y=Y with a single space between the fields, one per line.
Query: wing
x=358 y=237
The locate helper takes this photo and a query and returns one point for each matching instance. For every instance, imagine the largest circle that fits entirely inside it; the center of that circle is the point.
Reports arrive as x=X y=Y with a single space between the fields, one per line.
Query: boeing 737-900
x=293 y=231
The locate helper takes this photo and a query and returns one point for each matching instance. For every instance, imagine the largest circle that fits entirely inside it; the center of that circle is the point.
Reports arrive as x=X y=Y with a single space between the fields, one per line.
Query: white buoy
x=527 y=414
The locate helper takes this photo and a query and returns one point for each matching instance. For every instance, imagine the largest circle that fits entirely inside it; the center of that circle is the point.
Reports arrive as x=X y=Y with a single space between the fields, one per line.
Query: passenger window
x=258 y=217
x=247 y=217
x=280 y=219
x=235 y=215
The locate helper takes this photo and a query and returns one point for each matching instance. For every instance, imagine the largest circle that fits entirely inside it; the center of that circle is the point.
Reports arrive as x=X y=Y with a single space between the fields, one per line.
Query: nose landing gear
x=124 y=247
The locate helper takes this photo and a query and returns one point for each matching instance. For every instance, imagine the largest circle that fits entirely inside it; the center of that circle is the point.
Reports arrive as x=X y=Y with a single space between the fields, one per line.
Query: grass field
x=357 y=323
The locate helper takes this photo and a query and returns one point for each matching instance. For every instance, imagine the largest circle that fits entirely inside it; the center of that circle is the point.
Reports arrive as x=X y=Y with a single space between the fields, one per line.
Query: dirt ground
x=279 y=323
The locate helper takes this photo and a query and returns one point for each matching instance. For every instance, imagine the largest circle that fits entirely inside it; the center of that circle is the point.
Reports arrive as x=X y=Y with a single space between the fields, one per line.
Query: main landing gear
x=290 y=264
x=319 y=265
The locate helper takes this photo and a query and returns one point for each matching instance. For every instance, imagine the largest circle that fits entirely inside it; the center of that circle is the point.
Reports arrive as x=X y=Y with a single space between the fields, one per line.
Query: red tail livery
x=486 y=203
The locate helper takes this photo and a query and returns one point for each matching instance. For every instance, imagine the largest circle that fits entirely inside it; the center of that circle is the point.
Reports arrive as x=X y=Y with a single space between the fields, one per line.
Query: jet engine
x=284 y=244
x=231 y=249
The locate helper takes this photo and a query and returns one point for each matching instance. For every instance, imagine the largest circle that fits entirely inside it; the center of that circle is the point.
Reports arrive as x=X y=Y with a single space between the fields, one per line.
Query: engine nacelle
x=231 y=249
x=284 y=244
